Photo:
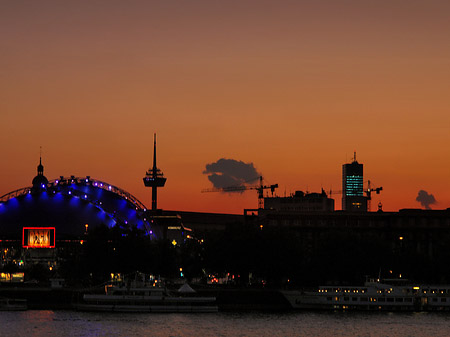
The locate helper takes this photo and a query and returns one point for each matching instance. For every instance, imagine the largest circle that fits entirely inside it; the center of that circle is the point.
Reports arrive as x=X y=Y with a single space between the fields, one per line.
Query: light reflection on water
x=71 y=323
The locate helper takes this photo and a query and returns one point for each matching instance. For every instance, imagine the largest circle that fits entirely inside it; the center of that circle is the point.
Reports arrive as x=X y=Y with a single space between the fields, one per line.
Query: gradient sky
x=292 y=86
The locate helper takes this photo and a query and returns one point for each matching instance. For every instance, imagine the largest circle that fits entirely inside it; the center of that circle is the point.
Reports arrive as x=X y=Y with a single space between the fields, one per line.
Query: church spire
x=40 y=181
x=40 y=168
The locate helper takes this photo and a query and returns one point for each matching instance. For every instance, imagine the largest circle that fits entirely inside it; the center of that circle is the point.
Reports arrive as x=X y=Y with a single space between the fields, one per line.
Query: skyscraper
x=353 y=198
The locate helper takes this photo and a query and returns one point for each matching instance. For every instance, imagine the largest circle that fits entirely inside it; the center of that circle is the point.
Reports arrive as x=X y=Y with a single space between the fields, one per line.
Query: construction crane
x=369 y=191
x=331 y=192
x=259 y=188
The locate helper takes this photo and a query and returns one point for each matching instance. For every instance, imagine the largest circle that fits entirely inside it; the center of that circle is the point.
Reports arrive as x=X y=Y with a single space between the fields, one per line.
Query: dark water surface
x=72 y=323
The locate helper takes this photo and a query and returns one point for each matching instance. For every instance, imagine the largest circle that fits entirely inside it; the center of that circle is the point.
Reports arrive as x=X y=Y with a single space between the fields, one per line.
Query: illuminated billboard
x=38 y=237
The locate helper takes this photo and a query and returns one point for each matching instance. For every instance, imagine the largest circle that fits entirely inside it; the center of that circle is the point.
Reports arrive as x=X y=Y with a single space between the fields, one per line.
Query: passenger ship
x=12 y=304
x=389 y=295
x=141 y=298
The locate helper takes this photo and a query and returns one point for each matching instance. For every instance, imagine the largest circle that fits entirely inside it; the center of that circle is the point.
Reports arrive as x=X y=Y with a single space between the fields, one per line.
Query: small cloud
x=425 y=199
x=230 y=172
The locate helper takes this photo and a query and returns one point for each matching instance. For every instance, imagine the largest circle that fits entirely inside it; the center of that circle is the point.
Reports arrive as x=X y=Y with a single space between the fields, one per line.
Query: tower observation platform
x=154 y=178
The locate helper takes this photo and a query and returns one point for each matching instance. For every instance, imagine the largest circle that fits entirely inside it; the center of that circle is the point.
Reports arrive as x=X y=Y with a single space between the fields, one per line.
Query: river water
x=71 y=323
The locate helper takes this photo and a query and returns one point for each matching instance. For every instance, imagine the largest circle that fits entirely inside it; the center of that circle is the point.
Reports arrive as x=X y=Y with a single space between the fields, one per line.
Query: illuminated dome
x=71 y=205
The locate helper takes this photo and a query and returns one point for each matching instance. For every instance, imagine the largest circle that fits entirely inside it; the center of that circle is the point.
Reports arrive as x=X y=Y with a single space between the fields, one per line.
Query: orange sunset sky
x=293 y=87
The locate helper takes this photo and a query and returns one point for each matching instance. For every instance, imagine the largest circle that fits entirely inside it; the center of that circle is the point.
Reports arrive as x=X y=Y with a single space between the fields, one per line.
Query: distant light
x=151 y=232
x=416 y=288
x=109 y=188
x=57 y=181
x=85 y=196
x=87 y=180
x=400 y=238
x=42 y=185
x=70 y=192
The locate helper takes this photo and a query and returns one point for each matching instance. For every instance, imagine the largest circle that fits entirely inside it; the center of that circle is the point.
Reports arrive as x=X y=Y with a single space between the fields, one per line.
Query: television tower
x=154 y=177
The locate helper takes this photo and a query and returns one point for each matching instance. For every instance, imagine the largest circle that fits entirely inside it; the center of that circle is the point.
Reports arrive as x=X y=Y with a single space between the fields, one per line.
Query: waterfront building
x=41 y=223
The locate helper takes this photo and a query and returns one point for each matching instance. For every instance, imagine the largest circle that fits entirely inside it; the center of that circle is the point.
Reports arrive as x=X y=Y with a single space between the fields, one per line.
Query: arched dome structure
x=71 y=205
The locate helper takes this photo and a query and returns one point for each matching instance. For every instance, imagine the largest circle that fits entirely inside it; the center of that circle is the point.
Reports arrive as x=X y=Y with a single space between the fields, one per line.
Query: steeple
x=40 y=181
x=40 y=168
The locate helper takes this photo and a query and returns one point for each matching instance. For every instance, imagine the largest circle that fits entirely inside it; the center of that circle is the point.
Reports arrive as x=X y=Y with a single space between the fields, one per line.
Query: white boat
x=13 y=304
x=389 y=295
x=133 y=298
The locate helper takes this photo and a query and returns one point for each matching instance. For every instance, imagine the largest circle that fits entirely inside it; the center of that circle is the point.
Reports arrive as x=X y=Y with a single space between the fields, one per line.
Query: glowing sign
x=38 y=237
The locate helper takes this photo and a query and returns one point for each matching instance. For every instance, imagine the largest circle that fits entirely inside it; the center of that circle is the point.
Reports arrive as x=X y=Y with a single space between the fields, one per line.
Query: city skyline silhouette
x=292 y=87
